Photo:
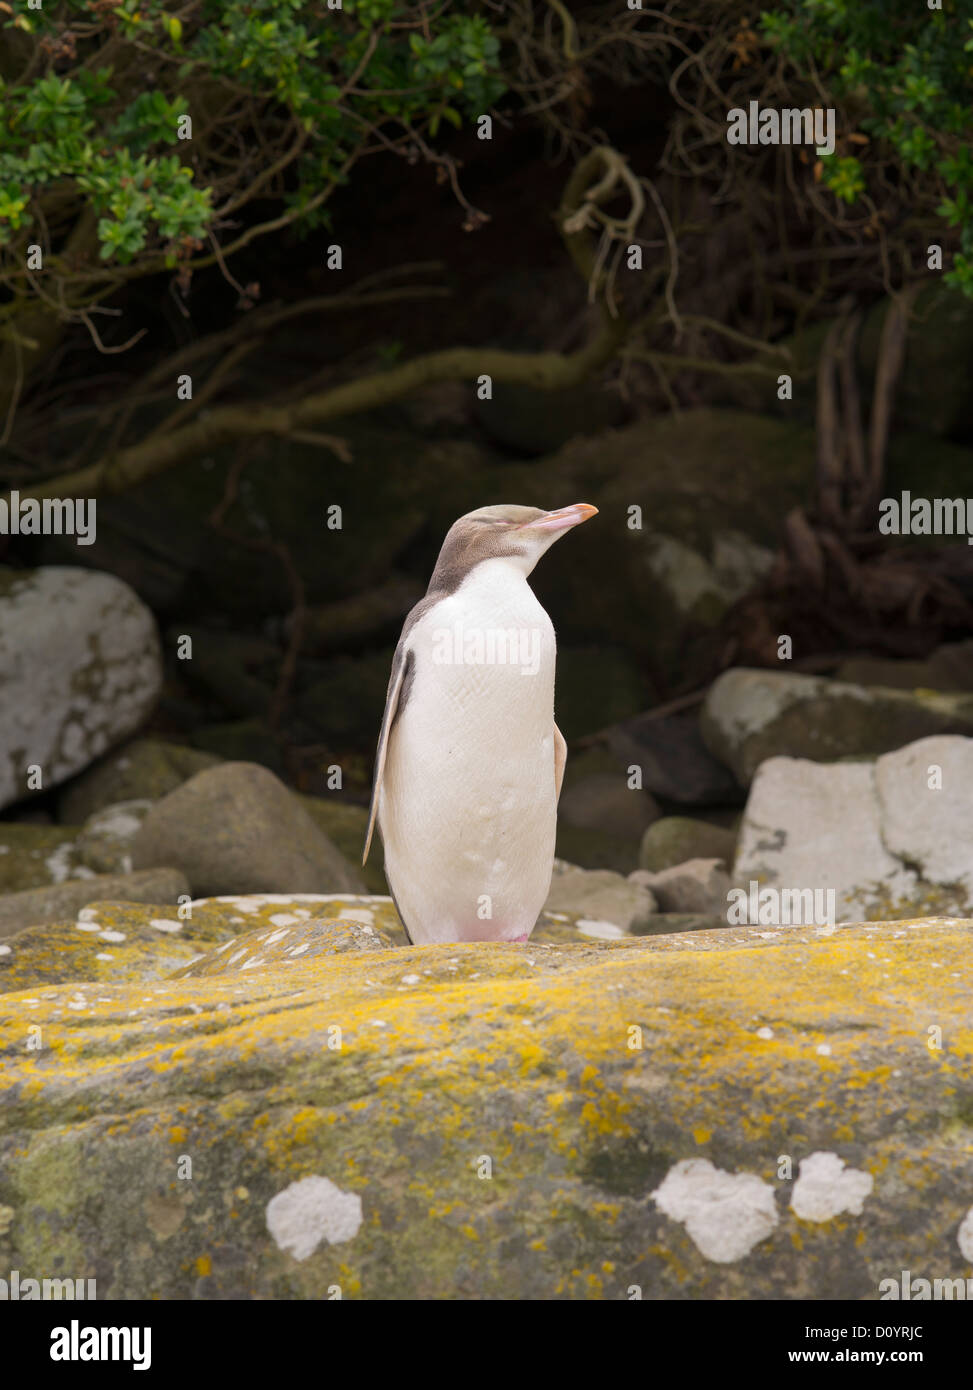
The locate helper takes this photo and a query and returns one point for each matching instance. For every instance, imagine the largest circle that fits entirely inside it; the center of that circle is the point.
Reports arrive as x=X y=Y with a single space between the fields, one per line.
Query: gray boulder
x=237 y=829
x=105 y=841
x=889 y=838
x=144 y=769
x=80 y=669
x=674 y=839
x=749 y=716
x=699 y=886
x=37 y=906
x=600 y=897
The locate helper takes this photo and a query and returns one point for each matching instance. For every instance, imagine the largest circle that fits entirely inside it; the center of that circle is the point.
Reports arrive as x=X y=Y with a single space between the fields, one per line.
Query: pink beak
x=563 y=519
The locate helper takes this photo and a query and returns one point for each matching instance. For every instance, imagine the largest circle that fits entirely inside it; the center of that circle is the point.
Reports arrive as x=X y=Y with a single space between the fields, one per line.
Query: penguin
x=470 y=761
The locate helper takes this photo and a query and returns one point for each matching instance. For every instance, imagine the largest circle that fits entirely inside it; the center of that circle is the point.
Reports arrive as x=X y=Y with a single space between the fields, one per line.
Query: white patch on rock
x=283 y=919
x=312 y=1210
x=165 y=924
x=5 y=950
x=602 y=931
x=112 y=936
x=825 y=1187
x=58 y=863
x=964 y=1236
x=726 y=1214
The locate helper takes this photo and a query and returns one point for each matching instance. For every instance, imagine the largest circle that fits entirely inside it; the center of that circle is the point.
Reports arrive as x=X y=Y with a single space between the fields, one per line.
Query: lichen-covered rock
x=36 y=906
x=674 y=839
x=749 y=716
x=144 y=769
x=674 y=1117
x=36 y=856
x=105 y=840
x=237 y=829
x=80 y=668
x=890 y=838
x=287 y=943
x=132 y=940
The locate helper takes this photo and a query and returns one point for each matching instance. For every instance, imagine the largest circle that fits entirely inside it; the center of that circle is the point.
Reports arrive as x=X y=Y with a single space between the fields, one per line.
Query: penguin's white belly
x=468 y=802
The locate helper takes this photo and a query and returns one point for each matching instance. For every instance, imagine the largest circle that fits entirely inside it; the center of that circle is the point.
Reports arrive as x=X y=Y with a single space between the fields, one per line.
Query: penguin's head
x=518 y=534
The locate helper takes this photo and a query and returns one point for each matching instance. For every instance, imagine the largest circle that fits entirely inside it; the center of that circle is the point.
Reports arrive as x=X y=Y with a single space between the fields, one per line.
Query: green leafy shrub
x=102 y=124
x=906 y=70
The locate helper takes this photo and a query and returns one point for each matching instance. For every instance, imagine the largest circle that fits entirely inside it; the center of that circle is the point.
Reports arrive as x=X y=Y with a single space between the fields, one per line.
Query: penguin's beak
x=563 y=519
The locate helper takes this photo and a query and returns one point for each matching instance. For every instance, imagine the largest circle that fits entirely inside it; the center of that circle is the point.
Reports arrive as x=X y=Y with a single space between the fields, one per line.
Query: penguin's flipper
x=560 y=758
x=401 y=676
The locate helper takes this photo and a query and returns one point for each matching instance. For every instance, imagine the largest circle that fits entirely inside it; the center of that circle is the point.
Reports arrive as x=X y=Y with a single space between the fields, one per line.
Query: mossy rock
x=146 y=768
x=750 y=716
x=36 y=856
x=674 y=839
x=492 y=1121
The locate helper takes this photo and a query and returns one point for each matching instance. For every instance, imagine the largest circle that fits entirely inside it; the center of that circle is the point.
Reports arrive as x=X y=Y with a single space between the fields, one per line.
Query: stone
x=37 y=906
x=604 y=801
x=107 y=940
x=950 y=667
x=675 y=762
x=80 y=670
x=236 y=828
x=698 y=886
x=925 y=809
x=288 y=944
x=668 y=923
x=36 y=856
x=749 y=716
x=105 y=840
x=885 y=837
x=630 y=1099
x=674 y=839
x=145 y=769
x=598 y=895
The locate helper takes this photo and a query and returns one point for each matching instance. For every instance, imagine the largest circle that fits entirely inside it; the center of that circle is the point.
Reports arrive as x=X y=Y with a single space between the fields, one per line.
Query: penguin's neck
x=500 y=582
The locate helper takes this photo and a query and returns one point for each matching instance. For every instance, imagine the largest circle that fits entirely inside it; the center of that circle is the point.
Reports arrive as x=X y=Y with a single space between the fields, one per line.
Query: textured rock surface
x=749 y=716
x=532 y=1122
x=80 y=669
x=144 y=769
x=105 y=840
x=237 y=828
x=698 y=885
x=675 y=762
x=891 y=838
x=674 y=839
x=601 y=898
x=36 y=906
x=35 y=856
